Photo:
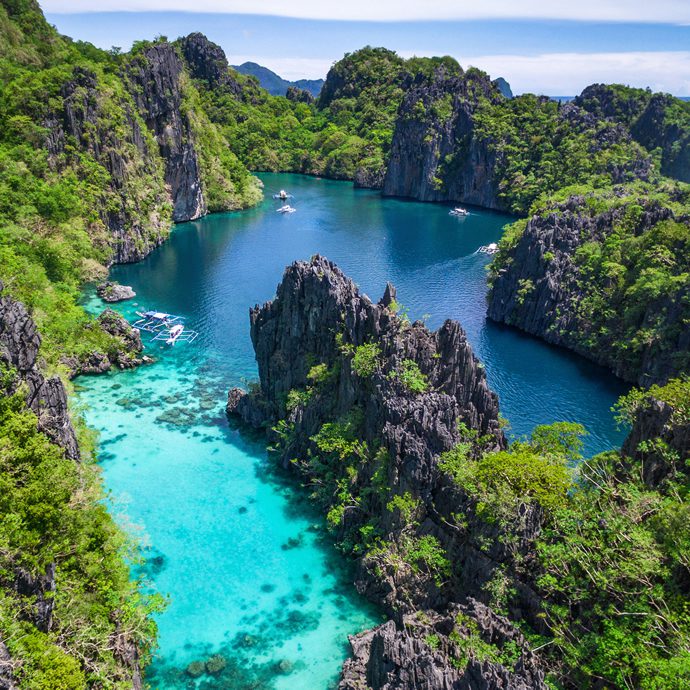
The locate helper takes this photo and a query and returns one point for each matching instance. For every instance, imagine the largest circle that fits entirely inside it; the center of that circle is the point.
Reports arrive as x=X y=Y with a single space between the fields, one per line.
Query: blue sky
x=539 y=48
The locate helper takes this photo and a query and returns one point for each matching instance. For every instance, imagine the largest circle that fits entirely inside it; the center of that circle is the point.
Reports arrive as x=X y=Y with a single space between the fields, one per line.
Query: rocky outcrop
x=206 y=61
x=655 y=120
x=363 y=402
x=125 y=351
x=46 y=397
x=154 y=76
x=114 y=292
x=6 y=669
x=503 y=86
x=369 y=178
x=105 y=124
x=463 y=648
x=297 y=95
x=660 y=439
x=540 y=285
x=316 y=300
x=436 y=123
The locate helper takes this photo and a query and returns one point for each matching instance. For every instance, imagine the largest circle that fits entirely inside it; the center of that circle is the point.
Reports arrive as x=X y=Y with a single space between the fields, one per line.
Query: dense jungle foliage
x=613 y=556
x=348 y=128
x=613 y=552
x=627 y=278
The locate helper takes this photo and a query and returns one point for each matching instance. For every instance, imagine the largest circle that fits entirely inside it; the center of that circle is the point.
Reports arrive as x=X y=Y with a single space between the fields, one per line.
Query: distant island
x=275 y=84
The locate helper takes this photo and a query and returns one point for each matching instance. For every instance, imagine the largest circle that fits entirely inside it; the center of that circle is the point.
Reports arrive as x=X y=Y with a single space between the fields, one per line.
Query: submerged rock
x=216 y=664
x=114 y=292
x=196 y=669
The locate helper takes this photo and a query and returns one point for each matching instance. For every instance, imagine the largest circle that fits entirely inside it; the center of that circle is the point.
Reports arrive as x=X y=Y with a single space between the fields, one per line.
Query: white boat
x=175 y=333
x=282 y=195
x=286 y=209
x=459 y=211
x=488 y=248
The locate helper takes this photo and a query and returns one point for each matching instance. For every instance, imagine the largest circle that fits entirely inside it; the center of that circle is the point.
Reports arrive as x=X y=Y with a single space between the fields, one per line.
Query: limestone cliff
x=154 y=75
x=362 y=404
x=435 y=124
x=656 y=120
x=457 y=138
x=46 y=397
x=206 y=61
x=659 y=438
x=602 y=275
x=96 y=117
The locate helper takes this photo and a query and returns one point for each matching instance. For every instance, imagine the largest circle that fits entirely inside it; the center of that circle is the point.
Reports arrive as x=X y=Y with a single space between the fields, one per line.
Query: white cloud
x=566 y=74
x=664 y=11
x=290 y=68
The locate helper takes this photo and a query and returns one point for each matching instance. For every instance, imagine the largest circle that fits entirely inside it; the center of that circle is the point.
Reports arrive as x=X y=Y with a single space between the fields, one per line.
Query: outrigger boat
x=282 y=195
x=167 y=327
x=459 y=212
x=286 y=209
x=154 y=321
x=175 y=333
x=488 y=248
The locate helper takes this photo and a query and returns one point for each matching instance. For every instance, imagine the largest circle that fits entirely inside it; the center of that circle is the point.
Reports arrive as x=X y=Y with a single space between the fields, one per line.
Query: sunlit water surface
x=248 y=570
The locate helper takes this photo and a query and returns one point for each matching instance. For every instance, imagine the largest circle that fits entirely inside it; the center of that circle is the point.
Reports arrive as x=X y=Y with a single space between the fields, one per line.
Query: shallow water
x=248 y=570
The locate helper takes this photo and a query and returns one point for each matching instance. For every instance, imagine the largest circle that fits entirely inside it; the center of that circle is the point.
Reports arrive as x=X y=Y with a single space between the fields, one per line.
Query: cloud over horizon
x=661 y=11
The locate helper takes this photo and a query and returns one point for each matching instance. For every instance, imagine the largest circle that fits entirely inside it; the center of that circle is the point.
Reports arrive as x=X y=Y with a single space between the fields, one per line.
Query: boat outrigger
x=282 y=195
x=286 y=209
x=459 y=212
x=167 y=327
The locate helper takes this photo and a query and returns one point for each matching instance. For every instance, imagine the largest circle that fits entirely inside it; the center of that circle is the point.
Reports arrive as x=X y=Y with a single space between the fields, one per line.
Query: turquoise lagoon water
x=249 y=572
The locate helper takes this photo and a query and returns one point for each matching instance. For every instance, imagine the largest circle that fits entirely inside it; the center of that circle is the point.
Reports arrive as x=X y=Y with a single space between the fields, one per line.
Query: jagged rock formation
x=294 y=93
x=398 y=394
x=114 y=292
x=655 y=120
x=46 y=397
x=658 y=432
x=154 y=76
x=125 y=352
x=435 y=121
x=106 y=125
x=206 y=60
x=420 y=653
x=541 y=284
x=6 y=676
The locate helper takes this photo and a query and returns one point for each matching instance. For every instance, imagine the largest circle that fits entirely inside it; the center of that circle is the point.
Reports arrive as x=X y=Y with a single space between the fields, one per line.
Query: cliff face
x=363 y=405
x=46 y=397
x=154 y=76
x=579 y=278
x=658 y=421
x=436 y=122
x=99 y=119
x=655 y=120
x=206 y=60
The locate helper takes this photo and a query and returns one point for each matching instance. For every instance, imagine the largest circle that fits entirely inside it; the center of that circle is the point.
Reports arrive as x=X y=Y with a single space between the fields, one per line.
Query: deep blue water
x=248 y=570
